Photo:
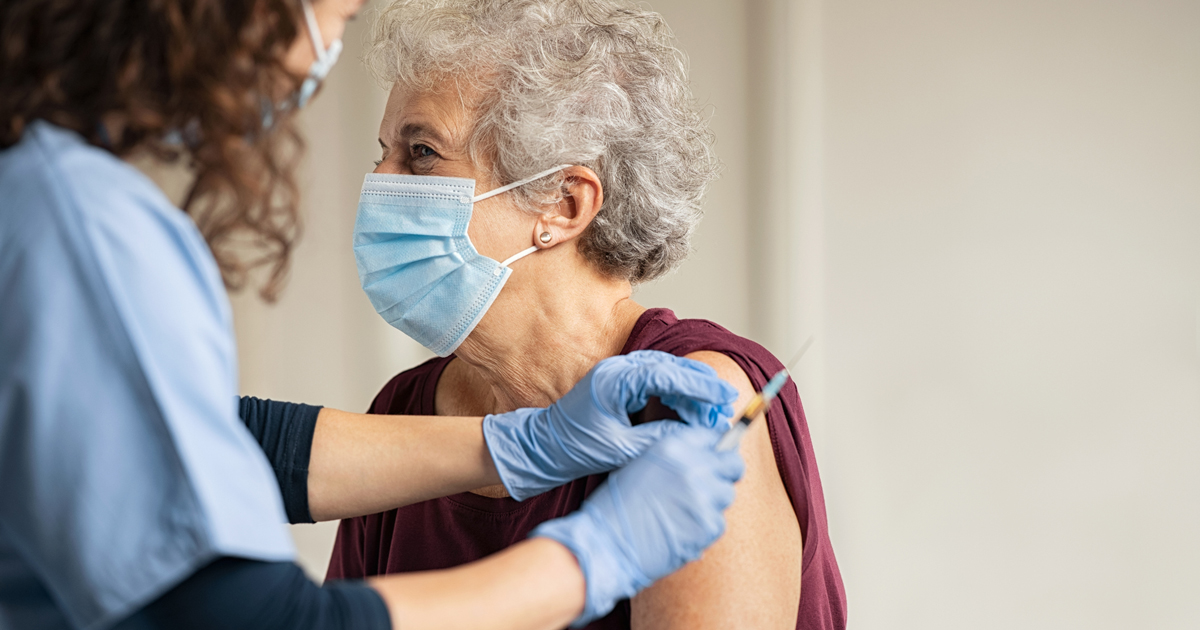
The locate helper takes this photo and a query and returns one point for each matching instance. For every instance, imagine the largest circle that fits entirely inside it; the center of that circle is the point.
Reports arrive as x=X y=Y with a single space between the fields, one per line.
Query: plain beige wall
x=1012 y=232
x=987 y=212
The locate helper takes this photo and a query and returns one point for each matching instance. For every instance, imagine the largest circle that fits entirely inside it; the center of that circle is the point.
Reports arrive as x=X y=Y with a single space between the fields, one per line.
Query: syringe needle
x=800 y=353
x=759 y=403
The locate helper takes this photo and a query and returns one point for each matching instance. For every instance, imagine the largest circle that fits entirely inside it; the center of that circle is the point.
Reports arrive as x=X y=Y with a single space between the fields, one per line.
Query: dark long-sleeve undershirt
x=240 y=594
x=285 y=432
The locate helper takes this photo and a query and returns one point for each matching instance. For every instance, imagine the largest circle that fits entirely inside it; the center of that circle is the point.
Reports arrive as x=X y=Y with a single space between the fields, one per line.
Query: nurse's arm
x=534 y=585
x=333 y=464
x=365 y=463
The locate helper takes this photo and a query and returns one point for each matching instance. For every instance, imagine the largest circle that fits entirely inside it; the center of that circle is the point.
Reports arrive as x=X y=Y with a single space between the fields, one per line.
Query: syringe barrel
x=733 y=437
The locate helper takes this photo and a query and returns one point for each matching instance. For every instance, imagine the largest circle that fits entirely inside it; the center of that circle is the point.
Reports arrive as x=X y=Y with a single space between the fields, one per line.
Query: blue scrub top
x=123 y=464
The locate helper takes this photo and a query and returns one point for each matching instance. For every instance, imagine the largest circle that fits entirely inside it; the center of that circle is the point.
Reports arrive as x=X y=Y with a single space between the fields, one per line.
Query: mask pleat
x=417 y=264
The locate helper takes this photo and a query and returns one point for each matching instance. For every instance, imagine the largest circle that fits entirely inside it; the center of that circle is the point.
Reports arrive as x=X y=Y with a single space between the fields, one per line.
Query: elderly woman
x=590 y=161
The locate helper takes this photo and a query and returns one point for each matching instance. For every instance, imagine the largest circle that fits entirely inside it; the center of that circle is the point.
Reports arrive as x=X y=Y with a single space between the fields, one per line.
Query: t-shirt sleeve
x=347 y=561
x=125 y=466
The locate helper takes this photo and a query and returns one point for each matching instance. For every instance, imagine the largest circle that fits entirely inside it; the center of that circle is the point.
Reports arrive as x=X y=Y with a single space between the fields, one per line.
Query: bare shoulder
x=751 y=577
x=730 y=371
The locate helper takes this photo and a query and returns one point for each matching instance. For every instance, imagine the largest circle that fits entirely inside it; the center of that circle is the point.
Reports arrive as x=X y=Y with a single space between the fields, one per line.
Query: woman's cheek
x=495 y=229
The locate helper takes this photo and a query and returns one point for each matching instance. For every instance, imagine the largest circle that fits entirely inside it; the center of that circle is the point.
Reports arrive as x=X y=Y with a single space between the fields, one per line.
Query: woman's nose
x=393 y=166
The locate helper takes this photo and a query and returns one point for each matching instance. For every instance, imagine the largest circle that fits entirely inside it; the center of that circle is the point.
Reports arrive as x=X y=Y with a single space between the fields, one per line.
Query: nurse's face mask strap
x=325 y=57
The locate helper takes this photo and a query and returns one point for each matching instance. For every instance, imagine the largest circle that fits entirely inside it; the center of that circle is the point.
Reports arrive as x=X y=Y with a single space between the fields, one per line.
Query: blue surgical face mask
x=417 y=264
x=317 y=72
x=325 y=57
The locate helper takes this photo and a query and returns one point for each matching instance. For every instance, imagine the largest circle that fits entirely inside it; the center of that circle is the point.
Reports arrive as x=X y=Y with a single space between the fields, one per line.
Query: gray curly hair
x=597 y=83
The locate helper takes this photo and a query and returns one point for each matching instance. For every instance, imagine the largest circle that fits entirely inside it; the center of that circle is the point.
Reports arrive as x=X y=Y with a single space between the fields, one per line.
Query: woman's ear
x=582 y=197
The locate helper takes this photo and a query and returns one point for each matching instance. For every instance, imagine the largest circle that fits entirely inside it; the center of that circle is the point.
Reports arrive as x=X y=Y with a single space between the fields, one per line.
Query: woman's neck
x=539 y=338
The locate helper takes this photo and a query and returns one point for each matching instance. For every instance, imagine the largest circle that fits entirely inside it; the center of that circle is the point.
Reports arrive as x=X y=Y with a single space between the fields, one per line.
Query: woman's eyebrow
x=419 y=129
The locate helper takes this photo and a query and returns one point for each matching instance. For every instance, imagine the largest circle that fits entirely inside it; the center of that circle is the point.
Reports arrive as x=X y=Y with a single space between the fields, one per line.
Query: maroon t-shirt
x=454 y=530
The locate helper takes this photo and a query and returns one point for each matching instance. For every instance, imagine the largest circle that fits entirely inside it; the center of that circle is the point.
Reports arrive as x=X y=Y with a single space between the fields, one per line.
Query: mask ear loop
x=515 y=257
x=314 y=31
x=503 y=189
x=520 y=182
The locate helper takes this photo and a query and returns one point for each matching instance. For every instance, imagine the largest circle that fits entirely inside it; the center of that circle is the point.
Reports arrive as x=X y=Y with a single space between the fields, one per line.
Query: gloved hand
x=649 y=518
x=588 y=431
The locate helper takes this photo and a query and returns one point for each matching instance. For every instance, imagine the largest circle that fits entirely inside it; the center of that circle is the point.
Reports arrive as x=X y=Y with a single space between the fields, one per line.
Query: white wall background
x=1013 y=258
x=989 y=215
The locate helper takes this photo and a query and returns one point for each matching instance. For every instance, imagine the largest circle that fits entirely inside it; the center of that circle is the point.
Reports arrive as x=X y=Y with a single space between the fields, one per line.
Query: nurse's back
x=117 y=373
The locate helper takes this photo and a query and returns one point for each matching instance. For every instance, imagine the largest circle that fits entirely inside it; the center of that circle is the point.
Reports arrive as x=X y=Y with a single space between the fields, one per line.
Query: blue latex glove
x=649 y=518
x=588 y=432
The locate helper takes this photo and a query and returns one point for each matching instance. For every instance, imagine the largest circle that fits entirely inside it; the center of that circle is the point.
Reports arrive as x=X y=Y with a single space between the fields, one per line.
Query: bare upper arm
x=751 y=577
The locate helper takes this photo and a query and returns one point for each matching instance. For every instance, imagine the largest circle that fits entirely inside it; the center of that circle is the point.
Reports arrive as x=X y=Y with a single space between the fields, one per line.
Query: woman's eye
x=377 y=163
x=422 y=151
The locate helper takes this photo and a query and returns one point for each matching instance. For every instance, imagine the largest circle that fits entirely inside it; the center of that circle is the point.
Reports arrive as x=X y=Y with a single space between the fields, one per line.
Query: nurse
x=132 y=495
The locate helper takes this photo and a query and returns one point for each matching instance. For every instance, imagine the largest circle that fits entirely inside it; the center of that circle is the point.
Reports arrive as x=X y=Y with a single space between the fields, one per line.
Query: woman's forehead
x=443 y=111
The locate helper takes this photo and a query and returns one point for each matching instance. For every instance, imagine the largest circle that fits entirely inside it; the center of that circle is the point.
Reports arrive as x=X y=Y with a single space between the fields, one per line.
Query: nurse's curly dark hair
x=159 y=71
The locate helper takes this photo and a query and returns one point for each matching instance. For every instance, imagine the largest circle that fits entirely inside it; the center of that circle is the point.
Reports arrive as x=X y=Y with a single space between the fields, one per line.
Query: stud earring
x=545 y=237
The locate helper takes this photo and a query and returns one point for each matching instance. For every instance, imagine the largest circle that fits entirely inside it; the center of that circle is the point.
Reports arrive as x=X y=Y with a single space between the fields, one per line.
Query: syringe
x=759 y=404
